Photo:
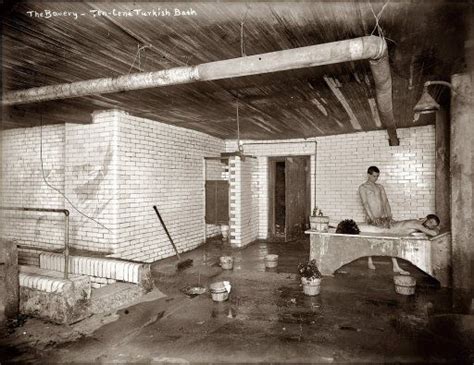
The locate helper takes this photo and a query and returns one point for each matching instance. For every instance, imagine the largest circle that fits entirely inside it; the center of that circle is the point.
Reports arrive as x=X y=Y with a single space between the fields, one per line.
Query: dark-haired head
x=373 y=169
x=432 y=221
x=433 y=217
x=347 y=226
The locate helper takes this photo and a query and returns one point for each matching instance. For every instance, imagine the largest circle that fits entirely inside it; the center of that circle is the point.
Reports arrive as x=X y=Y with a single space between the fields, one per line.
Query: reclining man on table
x=428 y=225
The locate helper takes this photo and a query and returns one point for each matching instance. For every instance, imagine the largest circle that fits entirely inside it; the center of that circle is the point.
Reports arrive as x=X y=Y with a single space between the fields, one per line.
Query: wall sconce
x=427 y=104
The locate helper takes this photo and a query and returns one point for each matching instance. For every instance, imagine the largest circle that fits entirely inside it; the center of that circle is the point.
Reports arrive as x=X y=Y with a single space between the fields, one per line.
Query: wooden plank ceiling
x=425 y=42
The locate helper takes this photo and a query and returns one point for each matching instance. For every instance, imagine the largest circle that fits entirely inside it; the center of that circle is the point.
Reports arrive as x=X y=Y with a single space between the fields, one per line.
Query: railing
x=66 y=230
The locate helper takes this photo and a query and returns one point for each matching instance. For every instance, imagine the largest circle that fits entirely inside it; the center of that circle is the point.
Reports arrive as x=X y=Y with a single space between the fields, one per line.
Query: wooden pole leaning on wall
x=9 y=258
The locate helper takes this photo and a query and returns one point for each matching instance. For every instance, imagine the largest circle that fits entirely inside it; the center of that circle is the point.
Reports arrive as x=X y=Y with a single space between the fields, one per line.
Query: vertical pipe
x=66 y=246
x=383 y=94
x=315 y=166
x=442 y=181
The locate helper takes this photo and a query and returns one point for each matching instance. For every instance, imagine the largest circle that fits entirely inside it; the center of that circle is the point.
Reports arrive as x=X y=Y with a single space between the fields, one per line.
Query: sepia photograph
x=234 y=182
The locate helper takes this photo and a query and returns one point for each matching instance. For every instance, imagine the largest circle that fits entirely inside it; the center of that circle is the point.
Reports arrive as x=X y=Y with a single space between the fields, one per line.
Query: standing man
x=377 y=209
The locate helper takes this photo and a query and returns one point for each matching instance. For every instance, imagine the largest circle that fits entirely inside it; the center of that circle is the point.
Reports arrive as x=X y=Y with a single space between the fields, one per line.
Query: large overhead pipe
x=370 y=47
x=383 y=94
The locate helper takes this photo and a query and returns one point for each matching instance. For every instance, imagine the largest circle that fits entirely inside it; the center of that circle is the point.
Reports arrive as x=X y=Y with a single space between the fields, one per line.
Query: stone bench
x=432 y=255
x=46 y=294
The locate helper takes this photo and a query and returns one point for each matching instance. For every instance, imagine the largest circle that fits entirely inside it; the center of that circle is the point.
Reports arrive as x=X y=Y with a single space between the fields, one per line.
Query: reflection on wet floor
x=357 y=317
x=352 y=276
x=252 y=257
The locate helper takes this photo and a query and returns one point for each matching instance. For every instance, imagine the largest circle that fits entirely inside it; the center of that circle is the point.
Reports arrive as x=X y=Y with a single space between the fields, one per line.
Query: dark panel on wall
x=217 y=201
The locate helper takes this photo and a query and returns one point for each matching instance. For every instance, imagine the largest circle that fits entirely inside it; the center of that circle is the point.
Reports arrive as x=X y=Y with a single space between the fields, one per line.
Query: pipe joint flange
x=381 y=47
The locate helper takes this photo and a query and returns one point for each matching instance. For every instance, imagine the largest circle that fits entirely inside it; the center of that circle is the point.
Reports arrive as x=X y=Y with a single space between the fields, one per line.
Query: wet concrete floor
x=358 y=317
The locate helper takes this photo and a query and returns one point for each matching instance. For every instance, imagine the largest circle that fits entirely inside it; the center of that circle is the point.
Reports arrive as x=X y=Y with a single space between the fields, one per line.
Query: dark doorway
x=280 y=203
x=289 y=197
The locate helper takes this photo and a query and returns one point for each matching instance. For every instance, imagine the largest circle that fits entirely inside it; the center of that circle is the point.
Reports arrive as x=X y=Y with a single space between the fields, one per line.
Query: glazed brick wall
x=78 y=161
x=22 y=185
x=216 y=170
x=161 y=165
x=250 y=201
x=212 y=230
x=249 y=204
x=118 y=167
x=407 y=171
x=91 y=182
x=244 y=202
x=114 y=170
x=27 y=256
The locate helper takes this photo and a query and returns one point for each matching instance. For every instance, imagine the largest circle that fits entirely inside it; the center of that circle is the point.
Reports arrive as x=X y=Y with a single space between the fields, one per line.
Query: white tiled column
x=235 y=201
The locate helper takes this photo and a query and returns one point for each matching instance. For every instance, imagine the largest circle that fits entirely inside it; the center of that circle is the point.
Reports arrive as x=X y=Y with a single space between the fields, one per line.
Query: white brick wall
x=79 y=161
x=117 y=168
x=250 y=201
x=216 y=170
x=22 y=185
x=212 y=230
x=160 y=165
x=407 y=171
x=113 y=170
x=91 y=181
x=261 y=175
